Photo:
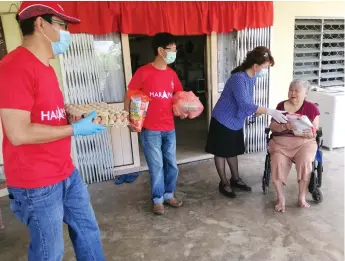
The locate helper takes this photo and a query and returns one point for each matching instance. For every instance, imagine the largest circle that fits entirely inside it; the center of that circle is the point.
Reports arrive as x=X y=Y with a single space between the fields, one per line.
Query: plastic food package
x=107 y=114
x=139 y=103
x=186 y=104
x=303 y=125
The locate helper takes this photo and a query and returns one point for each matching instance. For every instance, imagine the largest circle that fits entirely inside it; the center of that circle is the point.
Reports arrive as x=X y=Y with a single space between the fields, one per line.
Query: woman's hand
x=290 y=126
x=309 y=135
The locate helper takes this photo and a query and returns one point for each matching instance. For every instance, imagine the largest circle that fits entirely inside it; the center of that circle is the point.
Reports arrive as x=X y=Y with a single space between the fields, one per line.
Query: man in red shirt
x=160 y=83
x=44 y=187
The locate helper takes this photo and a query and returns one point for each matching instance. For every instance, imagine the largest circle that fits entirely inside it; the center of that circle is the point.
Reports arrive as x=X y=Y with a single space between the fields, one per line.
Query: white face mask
x=262 y=73
x=171 y=57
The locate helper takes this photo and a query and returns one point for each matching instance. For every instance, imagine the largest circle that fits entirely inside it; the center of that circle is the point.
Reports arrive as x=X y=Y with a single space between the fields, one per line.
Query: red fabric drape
x=178 y=18
x=226 y=16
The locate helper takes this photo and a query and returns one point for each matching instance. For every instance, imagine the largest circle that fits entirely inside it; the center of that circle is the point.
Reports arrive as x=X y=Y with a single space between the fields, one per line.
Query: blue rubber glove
x=86 y=127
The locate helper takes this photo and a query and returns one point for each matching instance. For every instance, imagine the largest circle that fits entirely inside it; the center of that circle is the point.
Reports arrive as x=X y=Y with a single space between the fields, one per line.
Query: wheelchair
x=317 y=169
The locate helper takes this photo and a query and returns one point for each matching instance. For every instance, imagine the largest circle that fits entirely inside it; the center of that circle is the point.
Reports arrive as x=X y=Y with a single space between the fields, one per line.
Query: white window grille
x=232 y=50
x=92 y=71
x=319 y=51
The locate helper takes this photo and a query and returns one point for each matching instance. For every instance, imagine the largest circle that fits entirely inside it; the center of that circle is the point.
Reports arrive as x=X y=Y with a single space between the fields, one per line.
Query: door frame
x=212 y=73
x=127 y=66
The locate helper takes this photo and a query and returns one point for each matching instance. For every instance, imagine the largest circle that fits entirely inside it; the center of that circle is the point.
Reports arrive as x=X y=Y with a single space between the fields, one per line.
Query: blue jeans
x=43 y=211
x=160 y=154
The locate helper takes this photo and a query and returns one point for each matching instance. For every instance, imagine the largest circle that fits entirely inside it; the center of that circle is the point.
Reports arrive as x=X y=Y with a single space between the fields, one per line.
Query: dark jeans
x=160 y=153
x=44 y=210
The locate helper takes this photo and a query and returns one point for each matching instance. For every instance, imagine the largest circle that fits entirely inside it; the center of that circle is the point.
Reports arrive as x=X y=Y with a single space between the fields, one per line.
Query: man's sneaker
x=158 y=209
x=174 y=202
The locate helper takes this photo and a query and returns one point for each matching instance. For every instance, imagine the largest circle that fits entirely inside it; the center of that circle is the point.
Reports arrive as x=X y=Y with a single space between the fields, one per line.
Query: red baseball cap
x=30 y=9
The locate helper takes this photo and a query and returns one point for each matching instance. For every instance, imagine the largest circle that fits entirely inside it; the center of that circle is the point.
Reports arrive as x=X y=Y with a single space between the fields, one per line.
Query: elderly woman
x=285 y=147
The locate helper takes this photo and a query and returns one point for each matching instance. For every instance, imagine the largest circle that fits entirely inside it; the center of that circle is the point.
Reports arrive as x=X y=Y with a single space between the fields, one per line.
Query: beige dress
x=285 y=150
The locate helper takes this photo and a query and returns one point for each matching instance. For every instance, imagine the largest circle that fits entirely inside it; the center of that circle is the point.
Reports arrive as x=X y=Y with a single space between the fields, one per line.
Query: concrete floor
x=209 y=227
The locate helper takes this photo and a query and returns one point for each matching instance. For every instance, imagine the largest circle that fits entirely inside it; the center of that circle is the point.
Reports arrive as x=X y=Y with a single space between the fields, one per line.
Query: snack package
x=186 y=104
x=137 y=108
x=302 y=123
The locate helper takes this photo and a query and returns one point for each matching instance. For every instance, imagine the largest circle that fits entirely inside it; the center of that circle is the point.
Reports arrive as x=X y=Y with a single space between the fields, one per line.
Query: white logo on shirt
x=162 y=95
x=57 y=114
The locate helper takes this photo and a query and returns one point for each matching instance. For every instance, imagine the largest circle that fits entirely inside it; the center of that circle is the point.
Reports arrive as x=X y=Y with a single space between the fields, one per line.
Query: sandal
x=229 y=194
x=239 y=184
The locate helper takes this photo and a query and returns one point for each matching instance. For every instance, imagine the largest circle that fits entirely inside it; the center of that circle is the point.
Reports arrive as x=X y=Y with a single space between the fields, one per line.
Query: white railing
x=232 y=50
x=81 y=72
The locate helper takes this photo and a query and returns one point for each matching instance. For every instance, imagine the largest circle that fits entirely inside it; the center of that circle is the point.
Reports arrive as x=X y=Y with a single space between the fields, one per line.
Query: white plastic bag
x=302 y=123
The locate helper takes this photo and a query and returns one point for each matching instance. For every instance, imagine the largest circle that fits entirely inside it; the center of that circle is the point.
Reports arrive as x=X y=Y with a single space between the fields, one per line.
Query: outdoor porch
x=209 y=227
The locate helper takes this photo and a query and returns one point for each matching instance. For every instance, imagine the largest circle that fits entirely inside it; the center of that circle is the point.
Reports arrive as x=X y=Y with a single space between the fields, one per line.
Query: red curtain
x=178 y=18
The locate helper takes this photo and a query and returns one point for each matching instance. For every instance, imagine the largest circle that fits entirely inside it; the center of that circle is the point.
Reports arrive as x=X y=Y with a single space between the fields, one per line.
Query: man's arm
x=177 y=84
x=134 y=84
x=20 y=130
x=126 y=103
x=17 y=99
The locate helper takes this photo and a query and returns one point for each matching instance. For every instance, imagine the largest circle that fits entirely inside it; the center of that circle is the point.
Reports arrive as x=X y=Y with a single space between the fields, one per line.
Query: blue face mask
x=63 y=44
x=171 y=57
x=262 y=73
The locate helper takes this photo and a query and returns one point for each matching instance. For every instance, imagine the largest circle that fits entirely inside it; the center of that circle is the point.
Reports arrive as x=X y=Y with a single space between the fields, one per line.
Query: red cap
x=30 y=9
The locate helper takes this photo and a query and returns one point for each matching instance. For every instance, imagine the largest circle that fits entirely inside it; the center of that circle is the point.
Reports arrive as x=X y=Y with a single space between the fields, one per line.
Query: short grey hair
x=301 y=84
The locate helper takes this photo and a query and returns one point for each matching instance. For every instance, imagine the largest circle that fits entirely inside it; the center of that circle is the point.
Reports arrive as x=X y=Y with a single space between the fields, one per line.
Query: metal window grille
x=319 y=51
x=84 y=81
x=232 y=50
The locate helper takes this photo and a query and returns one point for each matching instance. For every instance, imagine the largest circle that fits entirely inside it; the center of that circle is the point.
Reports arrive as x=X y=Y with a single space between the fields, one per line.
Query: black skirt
x=224 y=142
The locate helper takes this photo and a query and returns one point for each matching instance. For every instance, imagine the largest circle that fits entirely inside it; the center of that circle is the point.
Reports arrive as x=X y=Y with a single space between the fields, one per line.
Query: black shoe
x=225 y=192
x=240 y=185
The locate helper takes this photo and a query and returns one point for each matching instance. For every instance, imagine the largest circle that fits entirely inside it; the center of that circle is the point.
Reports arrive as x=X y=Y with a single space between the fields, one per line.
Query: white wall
x=283 y=38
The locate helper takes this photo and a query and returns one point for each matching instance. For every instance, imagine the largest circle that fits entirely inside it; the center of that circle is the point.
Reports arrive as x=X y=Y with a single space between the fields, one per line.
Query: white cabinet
x=331 y=103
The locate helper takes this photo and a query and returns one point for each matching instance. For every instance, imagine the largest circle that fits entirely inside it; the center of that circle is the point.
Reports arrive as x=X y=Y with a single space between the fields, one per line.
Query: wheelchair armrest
x=319 y=133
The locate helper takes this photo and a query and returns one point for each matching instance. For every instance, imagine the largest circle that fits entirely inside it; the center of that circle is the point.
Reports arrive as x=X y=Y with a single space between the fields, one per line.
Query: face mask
x=63 y=44
x=262 y=73
x=171 y=57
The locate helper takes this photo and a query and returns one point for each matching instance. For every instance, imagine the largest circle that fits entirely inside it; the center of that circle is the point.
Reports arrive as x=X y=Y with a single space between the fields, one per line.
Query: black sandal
x=235 y=184
x=225 y=192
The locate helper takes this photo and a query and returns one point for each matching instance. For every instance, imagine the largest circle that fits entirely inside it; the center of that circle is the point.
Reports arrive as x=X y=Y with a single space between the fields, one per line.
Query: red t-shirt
x=308 y=109
x=27 y=84
x=160 y=86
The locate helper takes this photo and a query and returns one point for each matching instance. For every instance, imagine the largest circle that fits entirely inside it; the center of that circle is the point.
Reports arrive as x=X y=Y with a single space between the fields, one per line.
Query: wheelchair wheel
x=267 y=175
x=264 y=187
x=317 y=195
x=319 y=174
